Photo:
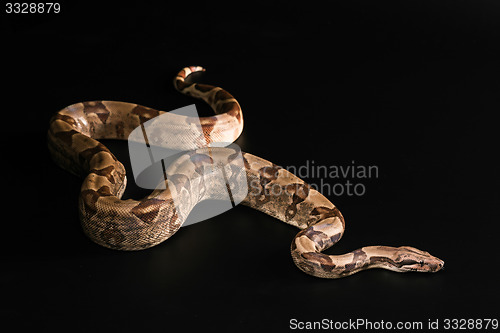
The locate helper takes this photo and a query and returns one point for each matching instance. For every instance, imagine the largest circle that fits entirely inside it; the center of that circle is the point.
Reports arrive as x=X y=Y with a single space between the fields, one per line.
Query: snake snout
x=434 y=265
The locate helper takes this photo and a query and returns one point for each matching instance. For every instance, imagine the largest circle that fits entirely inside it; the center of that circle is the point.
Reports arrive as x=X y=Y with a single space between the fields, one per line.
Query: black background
x=411 y=87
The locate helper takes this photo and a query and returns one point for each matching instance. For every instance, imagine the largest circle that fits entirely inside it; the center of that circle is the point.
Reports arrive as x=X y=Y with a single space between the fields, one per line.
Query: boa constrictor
x=140 y=224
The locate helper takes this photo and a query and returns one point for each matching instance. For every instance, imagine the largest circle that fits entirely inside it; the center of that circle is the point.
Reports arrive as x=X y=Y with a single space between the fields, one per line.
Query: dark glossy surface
x=411 y=88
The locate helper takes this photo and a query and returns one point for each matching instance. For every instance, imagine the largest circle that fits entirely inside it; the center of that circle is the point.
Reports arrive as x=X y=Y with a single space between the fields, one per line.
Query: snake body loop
x=139 y=224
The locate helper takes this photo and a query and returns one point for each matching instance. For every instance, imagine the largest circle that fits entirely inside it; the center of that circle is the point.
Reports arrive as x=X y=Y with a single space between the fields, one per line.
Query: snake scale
x=139 y=224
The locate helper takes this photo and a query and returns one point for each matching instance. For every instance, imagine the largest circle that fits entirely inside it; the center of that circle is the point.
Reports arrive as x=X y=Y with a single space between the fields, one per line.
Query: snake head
x=410 y=259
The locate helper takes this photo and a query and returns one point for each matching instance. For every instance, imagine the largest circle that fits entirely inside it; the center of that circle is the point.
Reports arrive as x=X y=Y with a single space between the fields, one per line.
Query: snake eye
x=421 y=263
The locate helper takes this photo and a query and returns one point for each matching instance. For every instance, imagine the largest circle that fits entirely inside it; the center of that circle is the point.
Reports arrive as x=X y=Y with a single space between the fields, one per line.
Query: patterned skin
x=139 y=224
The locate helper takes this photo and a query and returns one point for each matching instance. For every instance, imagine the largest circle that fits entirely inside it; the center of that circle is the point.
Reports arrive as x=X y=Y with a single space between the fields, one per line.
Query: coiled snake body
x=140 y=224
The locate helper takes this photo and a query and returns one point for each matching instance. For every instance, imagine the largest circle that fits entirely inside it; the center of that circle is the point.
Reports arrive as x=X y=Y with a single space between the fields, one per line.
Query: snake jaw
x=409 y=259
